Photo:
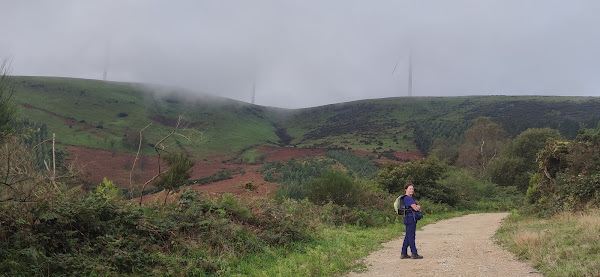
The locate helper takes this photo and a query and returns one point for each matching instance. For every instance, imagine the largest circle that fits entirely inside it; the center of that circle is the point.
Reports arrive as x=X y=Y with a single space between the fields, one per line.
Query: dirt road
x=455 y=247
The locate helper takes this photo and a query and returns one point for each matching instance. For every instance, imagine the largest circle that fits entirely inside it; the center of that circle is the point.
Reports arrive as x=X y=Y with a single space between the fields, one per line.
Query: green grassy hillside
x=98 y=114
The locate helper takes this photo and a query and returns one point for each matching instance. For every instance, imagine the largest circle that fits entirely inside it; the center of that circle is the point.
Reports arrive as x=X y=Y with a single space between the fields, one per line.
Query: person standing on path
x=410 y=222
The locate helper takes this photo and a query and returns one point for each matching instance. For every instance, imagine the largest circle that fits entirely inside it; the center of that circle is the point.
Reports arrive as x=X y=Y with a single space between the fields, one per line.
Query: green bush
x=293 y=175
x=131 y=140
x=480 y=194
x=333 y=186
x=371 y=195
x=74 y=235
x=424 y=174
x=337 y=215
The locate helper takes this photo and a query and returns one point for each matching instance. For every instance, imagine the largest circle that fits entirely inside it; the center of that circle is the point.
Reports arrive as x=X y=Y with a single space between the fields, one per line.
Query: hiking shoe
x=404 y=256
x=416 y=256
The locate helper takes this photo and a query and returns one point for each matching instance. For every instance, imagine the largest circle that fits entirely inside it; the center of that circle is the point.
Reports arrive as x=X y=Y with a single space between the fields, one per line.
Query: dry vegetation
x=567 y=244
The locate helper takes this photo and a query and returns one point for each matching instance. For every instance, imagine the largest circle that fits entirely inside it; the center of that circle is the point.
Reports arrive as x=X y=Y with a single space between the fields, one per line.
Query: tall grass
x=567 y=244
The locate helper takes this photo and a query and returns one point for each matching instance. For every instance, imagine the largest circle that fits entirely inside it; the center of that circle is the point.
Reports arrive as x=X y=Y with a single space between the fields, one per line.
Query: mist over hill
x=99 y=114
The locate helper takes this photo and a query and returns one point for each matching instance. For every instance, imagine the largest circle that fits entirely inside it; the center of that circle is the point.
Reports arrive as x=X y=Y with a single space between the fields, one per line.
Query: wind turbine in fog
x=409 y=70
x=409 y=39
x=106 y=60
x=254 y=71
x=253 y=90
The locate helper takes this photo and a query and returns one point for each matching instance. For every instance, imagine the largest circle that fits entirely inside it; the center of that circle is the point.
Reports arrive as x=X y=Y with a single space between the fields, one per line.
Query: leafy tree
x=483 y=142
x=177 y=175
x=568 y=176
x=517 y=162
x=424 y=174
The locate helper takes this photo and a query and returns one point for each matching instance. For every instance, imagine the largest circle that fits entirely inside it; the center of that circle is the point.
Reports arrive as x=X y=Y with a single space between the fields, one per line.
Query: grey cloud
x=309 y=53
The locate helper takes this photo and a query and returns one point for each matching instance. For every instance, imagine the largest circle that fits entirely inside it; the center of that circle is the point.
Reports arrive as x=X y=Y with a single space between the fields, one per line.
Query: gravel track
x=459 y=246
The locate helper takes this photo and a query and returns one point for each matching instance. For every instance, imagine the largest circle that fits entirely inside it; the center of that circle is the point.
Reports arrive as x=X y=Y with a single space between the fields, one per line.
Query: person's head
x=409 y=189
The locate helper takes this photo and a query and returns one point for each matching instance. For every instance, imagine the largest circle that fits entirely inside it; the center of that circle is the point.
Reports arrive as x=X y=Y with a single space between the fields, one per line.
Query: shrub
x=131 y=140
x=480 y=194
x=424 y=174
x=96 y=234
x=333 y=186
x=294 y=175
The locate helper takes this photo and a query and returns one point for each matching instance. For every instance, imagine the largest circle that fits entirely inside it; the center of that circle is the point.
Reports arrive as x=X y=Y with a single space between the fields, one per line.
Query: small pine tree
x=178 y=173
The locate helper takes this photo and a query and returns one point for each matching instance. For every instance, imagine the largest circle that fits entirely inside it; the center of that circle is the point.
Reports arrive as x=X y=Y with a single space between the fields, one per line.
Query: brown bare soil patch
x=83 y=127
x=235 y=186
x=409 y=155
x=278 y=154
x=115 y=166
x=98 y=134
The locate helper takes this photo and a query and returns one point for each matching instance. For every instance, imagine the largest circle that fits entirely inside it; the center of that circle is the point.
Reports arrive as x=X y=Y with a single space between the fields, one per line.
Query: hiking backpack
x=399 y=206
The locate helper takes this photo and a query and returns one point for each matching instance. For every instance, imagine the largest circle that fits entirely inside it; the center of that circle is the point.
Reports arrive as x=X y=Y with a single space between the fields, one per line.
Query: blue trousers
x=409 y=237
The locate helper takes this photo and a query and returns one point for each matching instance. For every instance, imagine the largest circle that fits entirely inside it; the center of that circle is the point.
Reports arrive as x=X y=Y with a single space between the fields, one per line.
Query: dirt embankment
x=455 y=247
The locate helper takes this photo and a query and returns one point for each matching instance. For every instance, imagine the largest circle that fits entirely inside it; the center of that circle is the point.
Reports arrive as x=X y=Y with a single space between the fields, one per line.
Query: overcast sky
x=304 y=53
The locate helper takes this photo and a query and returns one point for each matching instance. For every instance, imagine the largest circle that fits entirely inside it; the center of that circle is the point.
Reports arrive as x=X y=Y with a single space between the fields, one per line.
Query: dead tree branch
x=137 y=154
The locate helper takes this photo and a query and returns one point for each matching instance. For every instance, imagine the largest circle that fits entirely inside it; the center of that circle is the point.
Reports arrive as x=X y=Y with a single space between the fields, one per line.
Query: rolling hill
x=99 y=116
